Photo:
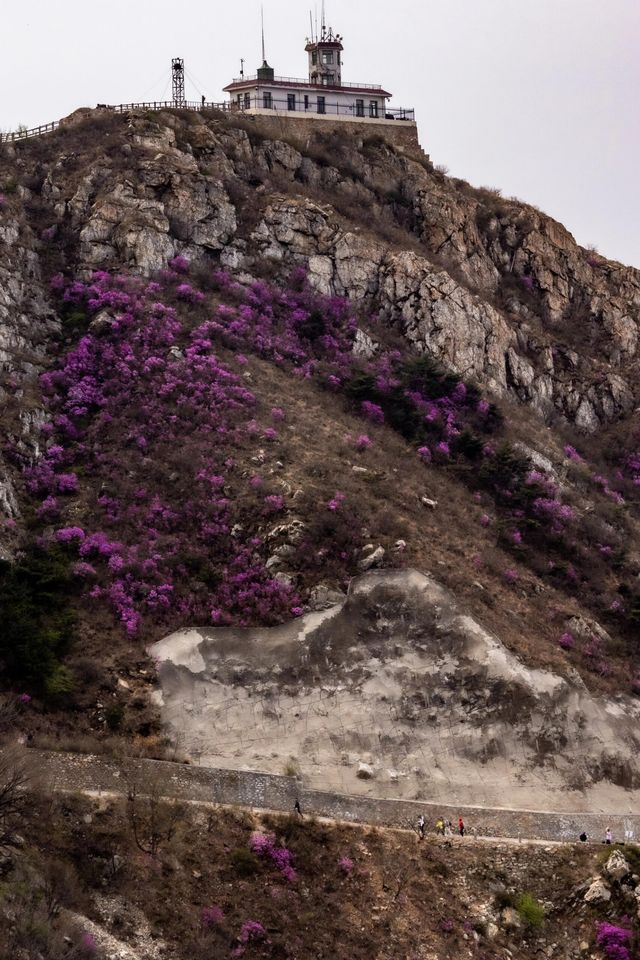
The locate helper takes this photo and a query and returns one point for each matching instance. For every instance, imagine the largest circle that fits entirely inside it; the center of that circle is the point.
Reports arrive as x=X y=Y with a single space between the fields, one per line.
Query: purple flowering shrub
x=265 y=846
x=567 y=641
x=294 y=327
x=252 y=931
x=212 y=916
x=177 y=534
x=149 y=417
x=346 y=865
x=88 y=945
x=615 y=941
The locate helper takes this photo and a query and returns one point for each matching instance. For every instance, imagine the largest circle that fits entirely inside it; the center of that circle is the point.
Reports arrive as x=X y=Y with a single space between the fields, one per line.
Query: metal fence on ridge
x=281 y=107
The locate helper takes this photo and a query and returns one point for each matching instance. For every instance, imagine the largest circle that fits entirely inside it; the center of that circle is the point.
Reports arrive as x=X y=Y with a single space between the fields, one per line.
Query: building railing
x=285 y=107
x=279 y=106
x=307 y=83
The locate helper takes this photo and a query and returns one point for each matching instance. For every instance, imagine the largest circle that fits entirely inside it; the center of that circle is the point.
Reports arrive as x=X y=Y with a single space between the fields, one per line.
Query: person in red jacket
x=461 y=826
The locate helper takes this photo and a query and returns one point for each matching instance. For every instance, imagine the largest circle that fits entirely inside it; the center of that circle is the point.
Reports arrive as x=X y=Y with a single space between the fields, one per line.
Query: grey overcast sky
x=537 y=97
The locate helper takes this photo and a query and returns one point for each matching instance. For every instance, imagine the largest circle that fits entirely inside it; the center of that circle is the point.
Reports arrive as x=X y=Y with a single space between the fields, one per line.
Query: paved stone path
x=104 y=775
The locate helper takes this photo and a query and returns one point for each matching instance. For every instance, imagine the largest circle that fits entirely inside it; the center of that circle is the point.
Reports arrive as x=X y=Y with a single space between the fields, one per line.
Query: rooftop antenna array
x=177 y=81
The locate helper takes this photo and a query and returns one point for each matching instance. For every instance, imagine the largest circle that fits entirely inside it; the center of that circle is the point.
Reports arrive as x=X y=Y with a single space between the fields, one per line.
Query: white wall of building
x=311 y=101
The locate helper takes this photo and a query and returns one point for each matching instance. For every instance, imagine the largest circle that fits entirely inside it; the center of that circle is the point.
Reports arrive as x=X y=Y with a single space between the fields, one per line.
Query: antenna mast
x=177 y=81
x=324 y=22
x=264 y=57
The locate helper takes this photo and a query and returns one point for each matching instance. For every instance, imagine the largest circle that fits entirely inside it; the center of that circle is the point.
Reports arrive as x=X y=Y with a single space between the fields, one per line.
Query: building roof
x=314 y=44
x=244 y=83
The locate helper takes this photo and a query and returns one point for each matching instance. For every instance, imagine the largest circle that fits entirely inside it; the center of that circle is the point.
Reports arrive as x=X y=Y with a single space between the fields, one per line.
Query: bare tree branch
x=152 y=818
x=13 y=793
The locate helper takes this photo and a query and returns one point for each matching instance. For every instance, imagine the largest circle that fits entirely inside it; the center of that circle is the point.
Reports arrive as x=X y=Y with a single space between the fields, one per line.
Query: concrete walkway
x=104 y=775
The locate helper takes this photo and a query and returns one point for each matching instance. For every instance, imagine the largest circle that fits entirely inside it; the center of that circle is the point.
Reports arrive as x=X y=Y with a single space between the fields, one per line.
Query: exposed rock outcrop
x=397 y=672
x=492 y=287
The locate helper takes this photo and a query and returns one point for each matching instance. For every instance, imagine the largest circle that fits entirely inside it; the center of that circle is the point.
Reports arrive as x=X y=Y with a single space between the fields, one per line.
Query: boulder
x=364 y=346
x=585 y=628
x=373 y=559
x=102 y=322
x=598 y=892
x=324 y=596
x=510 y=919
x=365 y=771
x=616 y=866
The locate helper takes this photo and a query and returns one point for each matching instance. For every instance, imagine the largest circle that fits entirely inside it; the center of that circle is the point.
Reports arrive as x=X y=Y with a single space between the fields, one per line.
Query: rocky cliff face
x=492 y=287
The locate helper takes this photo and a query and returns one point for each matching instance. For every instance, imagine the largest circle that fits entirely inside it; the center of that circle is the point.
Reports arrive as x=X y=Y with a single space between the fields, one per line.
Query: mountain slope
x=265 y=360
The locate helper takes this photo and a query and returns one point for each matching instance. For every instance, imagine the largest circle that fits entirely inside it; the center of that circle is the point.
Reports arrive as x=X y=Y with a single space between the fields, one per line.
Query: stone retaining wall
x=76 y=772
x=303 y=130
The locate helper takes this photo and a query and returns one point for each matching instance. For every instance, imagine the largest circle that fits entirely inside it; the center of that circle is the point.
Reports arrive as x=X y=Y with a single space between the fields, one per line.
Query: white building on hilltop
x=323 y=95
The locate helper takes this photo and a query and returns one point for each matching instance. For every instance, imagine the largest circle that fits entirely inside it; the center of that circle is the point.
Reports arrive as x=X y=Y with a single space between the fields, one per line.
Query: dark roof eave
x=249 y=84
x=314 y=44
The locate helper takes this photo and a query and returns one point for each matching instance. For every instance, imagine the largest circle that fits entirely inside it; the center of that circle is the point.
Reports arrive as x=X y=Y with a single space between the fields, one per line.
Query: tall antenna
x=177 y=81
x=324 y=22
x=311 y=22
x=264 y=57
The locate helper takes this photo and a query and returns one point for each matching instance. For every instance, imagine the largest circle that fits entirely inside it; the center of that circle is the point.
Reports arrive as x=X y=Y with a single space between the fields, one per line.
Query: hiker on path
x=608 y=837
x=461 y=826
x=447 y=828
x=583 y=837
x=296 y=807
x=440 y=826
x=421 y=824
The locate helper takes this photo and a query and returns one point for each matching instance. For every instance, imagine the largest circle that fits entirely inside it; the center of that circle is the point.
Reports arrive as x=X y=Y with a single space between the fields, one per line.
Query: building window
x=321 y=105
x=306 y=101
x=291 y=101
x=373 y=108
x=328 y=79
x=327 y=56
x=267 y=101
x=359 y=108
x=239 y=99
x=314 y=58
x=247 y=101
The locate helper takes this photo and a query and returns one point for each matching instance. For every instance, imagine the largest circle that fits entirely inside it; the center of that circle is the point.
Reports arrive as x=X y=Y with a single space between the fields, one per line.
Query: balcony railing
x=295 y=107
x=307 y=83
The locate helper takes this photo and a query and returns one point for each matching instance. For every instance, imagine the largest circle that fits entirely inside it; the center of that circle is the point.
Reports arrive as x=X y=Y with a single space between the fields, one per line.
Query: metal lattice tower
x=177 y=81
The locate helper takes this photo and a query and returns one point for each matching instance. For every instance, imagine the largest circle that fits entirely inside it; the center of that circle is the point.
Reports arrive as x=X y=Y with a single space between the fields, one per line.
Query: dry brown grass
x=445 y=542
x=402 y=899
